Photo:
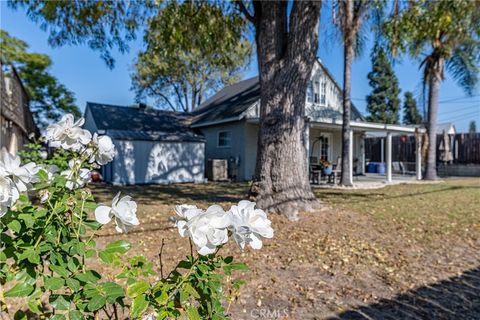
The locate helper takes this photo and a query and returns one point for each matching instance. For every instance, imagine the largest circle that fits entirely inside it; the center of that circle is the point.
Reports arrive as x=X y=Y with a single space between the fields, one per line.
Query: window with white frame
x=323 y=92
x=224 y=139
x=315 y=90
x=310 y=92
x=324 y=148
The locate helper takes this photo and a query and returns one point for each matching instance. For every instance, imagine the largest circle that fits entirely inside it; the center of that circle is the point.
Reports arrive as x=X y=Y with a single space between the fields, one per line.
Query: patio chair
x=398 y=167
x=336 y=172
x=315 y=174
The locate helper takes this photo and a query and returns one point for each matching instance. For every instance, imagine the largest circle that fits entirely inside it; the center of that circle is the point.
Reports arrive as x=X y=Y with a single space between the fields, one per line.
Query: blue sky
x=83 y=72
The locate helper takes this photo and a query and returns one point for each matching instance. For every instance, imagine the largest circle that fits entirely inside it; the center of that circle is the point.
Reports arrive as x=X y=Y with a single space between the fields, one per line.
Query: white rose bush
x=49 y=222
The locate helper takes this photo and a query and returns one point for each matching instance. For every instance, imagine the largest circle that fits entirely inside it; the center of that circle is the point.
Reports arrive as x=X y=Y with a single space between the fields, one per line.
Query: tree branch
x=243 y=9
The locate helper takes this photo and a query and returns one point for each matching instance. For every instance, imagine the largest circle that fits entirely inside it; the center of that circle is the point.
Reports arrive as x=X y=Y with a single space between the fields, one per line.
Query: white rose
x=103 y=149
x=68 y=134
x=186 y=212
x=76 y=177
x=249 y=225
x=208 y=229
x=124 y=211
x=22 y=176
x=8 y=194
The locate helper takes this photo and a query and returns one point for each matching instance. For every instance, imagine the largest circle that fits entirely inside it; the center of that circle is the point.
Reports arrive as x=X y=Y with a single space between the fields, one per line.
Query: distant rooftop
x=133 y=123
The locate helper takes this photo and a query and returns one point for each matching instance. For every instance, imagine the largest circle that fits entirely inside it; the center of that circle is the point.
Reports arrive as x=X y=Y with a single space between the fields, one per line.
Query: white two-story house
x=226 y=126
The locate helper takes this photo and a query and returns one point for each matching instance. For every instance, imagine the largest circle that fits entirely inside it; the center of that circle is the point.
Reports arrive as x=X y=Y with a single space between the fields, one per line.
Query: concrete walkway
x=372 y=181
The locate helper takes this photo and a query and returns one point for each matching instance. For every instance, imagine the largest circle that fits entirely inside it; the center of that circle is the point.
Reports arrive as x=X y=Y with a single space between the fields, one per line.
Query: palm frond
x=464 y=66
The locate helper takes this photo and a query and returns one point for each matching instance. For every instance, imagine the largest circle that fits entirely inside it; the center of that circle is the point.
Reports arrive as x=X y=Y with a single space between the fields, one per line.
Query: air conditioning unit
x=217 y=169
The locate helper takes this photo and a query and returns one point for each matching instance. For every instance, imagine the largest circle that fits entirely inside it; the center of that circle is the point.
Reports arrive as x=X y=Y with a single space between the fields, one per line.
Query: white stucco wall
x=140 y=162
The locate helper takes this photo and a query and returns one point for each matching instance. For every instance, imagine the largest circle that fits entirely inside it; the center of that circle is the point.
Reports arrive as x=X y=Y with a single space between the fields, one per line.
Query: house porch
x=325 y=142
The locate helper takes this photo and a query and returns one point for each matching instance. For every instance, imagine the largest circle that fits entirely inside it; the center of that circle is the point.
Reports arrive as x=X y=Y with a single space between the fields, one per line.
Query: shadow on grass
x=340 y=196
x=177 y=193
x=454 y=298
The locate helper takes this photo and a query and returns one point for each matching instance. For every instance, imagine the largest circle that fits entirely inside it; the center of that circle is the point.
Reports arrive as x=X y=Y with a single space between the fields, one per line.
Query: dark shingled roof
x=230 y=102
x=130 y=123
x=233 y=100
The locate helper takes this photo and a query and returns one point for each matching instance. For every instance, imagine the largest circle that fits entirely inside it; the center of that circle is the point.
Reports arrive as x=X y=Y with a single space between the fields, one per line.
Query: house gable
x=242 y=101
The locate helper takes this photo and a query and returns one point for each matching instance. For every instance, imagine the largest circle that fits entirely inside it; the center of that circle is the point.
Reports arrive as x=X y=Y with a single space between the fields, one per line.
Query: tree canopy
x=102 y=25
x=383 y=103
x=49 y=99
x=444 y=35
x=440 y=30
x=411 y=115
x=192 y=48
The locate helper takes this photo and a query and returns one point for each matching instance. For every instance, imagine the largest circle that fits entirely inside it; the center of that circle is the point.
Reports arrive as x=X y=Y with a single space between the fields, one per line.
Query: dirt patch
x=335 y=263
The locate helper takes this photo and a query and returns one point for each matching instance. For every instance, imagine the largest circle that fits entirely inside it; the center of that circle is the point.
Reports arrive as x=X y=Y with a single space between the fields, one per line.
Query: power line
x=458 y=98
x=463 y=116
x=460 y=109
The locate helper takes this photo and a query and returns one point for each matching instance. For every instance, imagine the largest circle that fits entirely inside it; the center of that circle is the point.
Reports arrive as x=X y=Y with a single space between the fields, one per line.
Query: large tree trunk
x=348 y=55
x=286 y=53
x=433 y=93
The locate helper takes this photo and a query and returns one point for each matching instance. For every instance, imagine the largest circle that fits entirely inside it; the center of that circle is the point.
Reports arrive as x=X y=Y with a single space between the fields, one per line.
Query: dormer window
x=310 y=92
x=323 y=92
x=316 y=89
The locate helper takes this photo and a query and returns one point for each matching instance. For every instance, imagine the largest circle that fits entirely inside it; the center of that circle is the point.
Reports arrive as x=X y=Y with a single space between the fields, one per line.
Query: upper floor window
x=224 y=139
x=310 y=91
x=323 y=92
x=316 y=89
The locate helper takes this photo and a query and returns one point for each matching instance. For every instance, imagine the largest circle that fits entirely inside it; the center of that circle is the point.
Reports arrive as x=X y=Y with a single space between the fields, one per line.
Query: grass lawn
x=422 y=211
x=397 y=252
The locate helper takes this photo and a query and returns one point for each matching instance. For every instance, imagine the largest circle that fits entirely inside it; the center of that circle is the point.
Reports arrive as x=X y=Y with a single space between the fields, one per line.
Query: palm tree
x=444 y=35
x=349 y=16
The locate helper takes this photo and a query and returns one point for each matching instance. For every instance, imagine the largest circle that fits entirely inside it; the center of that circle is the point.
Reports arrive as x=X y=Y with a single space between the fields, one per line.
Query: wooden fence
x=465 y=148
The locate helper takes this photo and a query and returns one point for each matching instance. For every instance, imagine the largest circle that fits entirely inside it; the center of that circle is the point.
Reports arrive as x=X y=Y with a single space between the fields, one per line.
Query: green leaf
x=89 y=277
x=94 y=225
x=228 y=259
x=53 y=283
x=58 y=317
x=75 y=315
x=20 y=315
x=193 y=314
x=42 y=174
x=59 y=302
x=190 y=290
x=137 y=288
x=28 y=219
x=61 y=271
x=120 y=246
x=90 y=253
x=96 y=302
x=184 y=264
x=34 y=306
x=15 y=226
x=72 y=264
x=19 y=290
x=112 y=290
x=139 y=305
x=235 y=266
x=106 y=257
x=73 y=284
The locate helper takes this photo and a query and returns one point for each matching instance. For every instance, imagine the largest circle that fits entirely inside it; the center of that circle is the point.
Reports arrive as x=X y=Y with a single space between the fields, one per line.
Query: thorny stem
x=160 y=257
x=46 y=224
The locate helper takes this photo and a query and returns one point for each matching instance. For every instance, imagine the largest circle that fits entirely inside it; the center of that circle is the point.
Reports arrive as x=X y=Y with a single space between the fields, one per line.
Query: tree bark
x=348 y=55
x=433 y=93
x=286 y=50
